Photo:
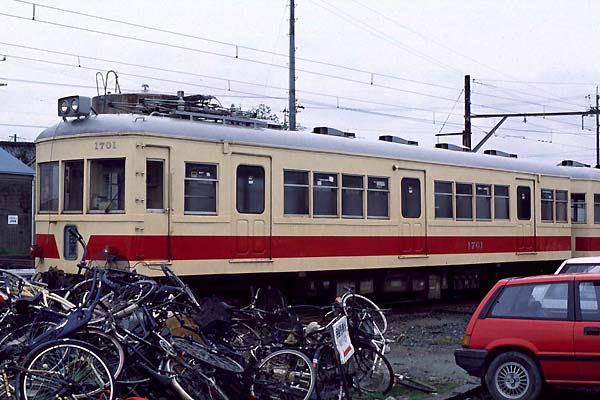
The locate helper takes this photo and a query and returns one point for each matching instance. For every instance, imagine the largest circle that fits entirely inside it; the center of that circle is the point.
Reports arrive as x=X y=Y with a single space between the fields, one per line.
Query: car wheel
x=513 y=376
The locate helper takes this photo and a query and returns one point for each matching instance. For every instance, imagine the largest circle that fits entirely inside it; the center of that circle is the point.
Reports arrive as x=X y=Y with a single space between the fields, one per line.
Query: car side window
x=589 y=293
x=548 y=301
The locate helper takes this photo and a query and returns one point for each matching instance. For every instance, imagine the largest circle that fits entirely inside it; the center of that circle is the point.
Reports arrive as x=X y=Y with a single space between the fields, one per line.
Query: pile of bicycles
x=117 y=333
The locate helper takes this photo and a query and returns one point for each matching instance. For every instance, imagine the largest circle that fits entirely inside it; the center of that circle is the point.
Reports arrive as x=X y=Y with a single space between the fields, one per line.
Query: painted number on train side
x=105 y=145
x=475 y=245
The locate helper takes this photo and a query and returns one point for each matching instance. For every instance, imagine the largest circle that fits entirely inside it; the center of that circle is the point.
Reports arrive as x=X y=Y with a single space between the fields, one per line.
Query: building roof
x=10 y=165
x=167 y=127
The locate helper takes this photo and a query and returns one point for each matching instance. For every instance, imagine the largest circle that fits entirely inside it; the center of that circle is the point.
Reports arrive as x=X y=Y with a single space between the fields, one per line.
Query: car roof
x=583 y=260
x=551 y=278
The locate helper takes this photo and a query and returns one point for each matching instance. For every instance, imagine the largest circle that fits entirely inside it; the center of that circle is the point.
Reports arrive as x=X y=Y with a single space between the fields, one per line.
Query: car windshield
x=580 y=268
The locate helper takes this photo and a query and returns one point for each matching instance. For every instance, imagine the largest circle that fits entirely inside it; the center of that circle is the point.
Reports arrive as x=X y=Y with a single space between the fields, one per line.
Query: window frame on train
x=116 y=203
x=596 y=208
x=578 y=205
x=296 y=192
x=210 y=179
x=524 y=203
x=155 y=189
x=483 y=202
x=547 y=205
x=321 y=191
x=562 y=205
x=439 y=195
x=378 y=197
x=73 y=186
x=464 y=201
x=353 y=196
x=49 y=187
x=502 y=202
x=250 y=189
x=410 y=197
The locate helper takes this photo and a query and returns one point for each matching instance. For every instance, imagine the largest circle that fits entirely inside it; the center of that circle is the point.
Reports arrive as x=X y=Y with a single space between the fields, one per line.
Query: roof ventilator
x=500 y=153
x=396 y=139
x=453 y=147
x=572 y=163
x=324 y=130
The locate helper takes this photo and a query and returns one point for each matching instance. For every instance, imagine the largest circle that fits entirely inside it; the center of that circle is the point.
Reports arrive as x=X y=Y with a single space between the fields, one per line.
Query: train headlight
x=74 y=106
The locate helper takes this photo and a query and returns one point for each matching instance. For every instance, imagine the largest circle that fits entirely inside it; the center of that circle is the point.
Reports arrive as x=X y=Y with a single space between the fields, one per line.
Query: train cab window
x=561 y=205
x=524 y=203
x=578 y=208
x=464 y=201
x=73 y=186
x=295 y=192
x=250 y=193
x=49 y=186
x=325 y=194
x=596 y=208
x=155 y=183
x=443 y=199
x=107 y=185
x=200 y=192
x=501 y=202
x=378 y=197
x=411 y=197
x=547 y=205
x=353 y=188
x=483 y=202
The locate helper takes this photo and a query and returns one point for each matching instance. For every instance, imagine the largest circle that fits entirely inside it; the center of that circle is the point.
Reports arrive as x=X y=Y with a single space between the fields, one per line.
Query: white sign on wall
x=13 y=220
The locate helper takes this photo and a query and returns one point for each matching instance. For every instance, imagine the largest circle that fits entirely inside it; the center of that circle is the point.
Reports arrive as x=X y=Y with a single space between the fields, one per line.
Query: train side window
x=325 y=194
x=378 y=197
x=561 y=205
x=501 y=202
x=523 y=202
x=250 y=193
x=295 y=192
x=73 y=186
x=200 y=192
x=578 y=208
x=483 y=202
x=547 y=205
x=353 y=188
x=596 y=208
x=443 y=199
x=464 y=201
x=411 y=197
x=49 y=186
x=155 y=185
x=107 y=185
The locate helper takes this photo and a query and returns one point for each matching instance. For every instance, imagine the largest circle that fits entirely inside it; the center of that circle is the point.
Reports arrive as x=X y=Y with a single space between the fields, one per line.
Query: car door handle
x=589 y=331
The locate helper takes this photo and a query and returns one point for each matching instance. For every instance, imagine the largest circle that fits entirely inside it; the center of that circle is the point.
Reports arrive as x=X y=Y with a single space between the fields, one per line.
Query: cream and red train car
x=219 y=200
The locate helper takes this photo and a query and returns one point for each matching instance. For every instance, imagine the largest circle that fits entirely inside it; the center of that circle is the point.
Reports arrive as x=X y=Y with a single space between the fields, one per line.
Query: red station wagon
x=530 y=331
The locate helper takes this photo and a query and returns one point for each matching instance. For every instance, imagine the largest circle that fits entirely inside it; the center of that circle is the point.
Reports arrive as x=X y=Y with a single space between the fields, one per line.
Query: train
x=228 y=198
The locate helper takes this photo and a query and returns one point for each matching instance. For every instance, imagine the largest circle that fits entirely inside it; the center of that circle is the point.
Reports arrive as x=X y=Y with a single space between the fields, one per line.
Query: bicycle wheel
x=365 y=314
x=65 y=369
x=110 y=348
x=190 y=382
x=205 y=355
x=371 y=372
x=284 y=374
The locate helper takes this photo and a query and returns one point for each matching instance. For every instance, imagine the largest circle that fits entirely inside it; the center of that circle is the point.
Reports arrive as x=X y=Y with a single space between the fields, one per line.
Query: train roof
x=13 y=166
x=207 y=131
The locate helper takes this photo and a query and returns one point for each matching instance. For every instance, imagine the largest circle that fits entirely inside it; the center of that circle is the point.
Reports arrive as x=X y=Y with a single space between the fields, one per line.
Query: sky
x=372 y=67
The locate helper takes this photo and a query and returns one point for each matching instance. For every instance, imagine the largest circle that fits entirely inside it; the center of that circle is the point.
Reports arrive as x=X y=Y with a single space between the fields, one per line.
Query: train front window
x=464 y=201
x=378 y=197
x=200 y=196
x=155 y=182
x=325 y=195
x=352 y=196
x=524 y=203
x=49 y=186
x=107 y=185
x=73 y=183
x=443 y=199
x=295 y=192
x=250 y=196
x=411 y=198
x=578 y=208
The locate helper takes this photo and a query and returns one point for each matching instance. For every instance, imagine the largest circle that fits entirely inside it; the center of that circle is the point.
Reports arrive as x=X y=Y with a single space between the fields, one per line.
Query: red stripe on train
x=226 y=247
x=587 y=244
x=48 y=245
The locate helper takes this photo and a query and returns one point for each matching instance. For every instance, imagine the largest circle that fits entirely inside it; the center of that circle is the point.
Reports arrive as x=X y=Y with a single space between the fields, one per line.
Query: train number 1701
x=105 y=145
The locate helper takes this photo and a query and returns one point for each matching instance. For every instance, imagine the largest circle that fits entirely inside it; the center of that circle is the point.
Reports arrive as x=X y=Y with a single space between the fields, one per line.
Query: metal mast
x=292 y=95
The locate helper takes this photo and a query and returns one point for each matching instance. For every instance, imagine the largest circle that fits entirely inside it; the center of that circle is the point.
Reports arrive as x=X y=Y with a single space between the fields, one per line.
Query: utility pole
x=292 y=94
x=467 y=132
x=597 y=133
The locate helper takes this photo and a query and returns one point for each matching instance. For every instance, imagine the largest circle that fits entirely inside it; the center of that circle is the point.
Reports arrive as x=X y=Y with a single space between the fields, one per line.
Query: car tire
x=513 y=376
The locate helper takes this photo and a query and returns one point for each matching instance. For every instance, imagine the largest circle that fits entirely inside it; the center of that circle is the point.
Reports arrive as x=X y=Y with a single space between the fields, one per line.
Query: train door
x=413 y=231
x=526 y=215
x=157 y=217
x=251 y=222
